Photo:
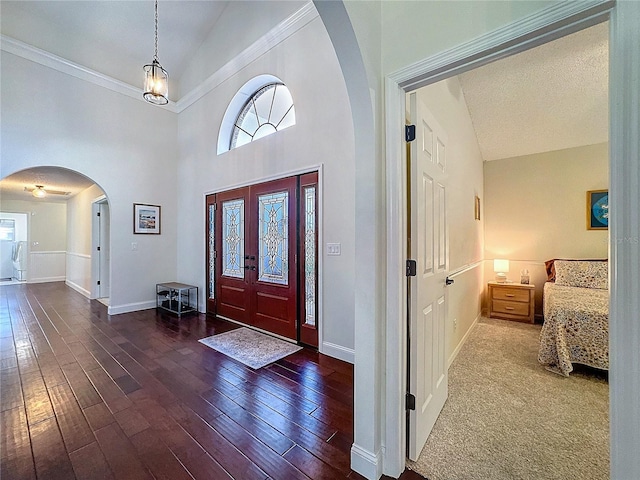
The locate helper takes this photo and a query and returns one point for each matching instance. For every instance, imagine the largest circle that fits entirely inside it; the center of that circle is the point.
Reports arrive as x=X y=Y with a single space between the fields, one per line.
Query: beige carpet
x=509 y=418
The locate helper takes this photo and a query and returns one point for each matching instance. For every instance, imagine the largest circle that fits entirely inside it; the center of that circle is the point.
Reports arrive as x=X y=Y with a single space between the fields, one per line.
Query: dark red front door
x=272 y=245
x=256 y=257
x=262 y=261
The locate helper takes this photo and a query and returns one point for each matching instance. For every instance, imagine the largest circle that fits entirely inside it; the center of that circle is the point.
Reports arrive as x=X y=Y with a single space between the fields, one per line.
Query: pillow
x=582 y=273
x=551 y=269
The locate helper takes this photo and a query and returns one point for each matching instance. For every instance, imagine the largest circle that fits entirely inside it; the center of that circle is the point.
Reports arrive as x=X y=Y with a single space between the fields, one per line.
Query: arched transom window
x=268 y=110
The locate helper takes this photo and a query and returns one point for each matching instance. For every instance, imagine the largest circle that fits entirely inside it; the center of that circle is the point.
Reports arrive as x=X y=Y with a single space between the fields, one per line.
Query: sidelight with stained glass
x=310 y=254
x=212 y=251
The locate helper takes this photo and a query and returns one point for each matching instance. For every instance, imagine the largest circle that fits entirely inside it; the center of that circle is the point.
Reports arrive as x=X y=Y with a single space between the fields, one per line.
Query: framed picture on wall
x=597 y=209
x=146 y=219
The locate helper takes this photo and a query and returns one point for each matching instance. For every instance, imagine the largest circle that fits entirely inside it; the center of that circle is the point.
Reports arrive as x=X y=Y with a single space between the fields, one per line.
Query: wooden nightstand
x=511 y=301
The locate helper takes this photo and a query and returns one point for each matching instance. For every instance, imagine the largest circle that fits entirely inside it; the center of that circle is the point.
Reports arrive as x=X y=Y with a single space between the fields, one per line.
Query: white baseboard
x=339 y=352
x=130 y=307
x=78 y=288
x=366 y=463
x=47 y=279
x=462 y=342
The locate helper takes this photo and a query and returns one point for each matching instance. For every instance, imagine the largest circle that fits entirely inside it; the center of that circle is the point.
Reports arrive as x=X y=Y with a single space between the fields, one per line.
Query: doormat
x=252 y=348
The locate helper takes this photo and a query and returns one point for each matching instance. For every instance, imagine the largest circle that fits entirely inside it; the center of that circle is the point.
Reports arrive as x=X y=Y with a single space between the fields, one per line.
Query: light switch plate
x=333 y=249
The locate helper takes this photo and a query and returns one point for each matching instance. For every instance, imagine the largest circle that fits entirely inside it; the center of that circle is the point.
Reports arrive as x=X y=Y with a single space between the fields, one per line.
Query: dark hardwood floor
x=135 y=396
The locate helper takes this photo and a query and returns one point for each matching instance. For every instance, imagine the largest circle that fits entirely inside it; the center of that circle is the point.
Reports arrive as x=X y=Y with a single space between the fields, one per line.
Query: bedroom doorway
x=262 y=262
x=510 y=202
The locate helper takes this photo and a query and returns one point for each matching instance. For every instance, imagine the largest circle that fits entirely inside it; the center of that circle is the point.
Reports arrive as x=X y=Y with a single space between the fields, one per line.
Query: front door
x=429 y=247
x=253 y=257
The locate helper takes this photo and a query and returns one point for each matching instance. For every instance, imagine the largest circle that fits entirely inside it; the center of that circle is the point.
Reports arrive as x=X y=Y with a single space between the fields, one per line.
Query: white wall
x=535 y=210
x=322 y=138
x=413 y=30
x=445 y=100
x=47 y=238
x=224 y=42
x=79 y=226
x=124 y=145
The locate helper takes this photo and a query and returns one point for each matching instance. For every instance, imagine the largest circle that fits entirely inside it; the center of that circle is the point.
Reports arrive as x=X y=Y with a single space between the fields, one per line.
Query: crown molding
x=275 y=36
x=47 y=59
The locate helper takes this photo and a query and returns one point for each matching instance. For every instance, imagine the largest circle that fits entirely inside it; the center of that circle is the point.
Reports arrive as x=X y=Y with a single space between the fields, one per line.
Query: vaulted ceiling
x=549 y=98
x=116 y=38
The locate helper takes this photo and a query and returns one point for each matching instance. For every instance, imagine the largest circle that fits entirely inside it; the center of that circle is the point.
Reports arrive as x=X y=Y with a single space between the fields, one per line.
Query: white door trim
x=624 y=244
x=548 y=24
x=95 y=242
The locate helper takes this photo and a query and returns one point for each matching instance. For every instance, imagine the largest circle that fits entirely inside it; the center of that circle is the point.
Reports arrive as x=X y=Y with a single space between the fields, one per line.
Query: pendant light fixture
x=156 y=79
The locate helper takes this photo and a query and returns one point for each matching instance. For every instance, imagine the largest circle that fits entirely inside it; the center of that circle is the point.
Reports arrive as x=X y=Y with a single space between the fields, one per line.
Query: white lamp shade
x=500 y=265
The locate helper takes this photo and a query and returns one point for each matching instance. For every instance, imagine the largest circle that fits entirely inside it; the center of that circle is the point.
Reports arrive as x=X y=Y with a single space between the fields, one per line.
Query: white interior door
x=104 y=253
x=428 y=301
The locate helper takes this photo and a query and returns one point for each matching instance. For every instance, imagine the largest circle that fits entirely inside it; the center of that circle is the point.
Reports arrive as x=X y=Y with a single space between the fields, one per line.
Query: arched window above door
x=261 y=107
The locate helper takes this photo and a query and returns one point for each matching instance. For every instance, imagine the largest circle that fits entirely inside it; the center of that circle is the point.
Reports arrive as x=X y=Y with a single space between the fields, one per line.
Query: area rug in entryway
x=252 y=348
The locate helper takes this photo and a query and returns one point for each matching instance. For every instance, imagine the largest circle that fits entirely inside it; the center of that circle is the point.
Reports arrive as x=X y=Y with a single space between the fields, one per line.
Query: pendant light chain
x=156 y=80
x=156 y=53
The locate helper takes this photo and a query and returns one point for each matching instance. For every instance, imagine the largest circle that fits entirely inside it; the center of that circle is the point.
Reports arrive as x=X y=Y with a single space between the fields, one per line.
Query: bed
x=576 y=316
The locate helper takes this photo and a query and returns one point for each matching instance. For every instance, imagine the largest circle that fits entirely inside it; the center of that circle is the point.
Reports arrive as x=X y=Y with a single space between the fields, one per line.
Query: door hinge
x=411 y=268
x=98 y=248
x=410 y=402
x=98 y=213
x=409 y=133
x=98 y=282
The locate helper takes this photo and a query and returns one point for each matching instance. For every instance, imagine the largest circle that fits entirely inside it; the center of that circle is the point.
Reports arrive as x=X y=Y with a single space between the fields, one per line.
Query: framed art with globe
x=597 y=209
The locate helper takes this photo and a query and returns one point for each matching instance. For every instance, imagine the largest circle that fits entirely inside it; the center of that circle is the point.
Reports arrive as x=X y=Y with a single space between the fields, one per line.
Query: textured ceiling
x=548 y=98
x=52 y=178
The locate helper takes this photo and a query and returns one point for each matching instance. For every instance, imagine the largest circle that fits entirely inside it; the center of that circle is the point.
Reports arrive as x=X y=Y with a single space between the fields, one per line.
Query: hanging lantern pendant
x=156 y=79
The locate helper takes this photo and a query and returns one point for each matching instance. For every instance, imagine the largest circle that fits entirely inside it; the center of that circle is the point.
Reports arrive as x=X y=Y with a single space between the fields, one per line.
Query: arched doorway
x=59 y=205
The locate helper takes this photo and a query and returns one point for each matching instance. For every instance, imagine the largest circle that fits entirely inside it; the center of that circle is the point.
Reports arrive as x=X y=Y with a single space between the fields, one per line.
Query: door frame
x=319 y=218
x=95 y=242
x=544 y=26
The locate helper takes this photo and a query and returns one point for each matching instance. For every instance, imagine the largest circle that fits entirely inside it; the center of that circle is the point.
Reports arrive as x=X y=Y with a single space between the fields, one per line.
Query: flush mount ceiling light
x=39 y=192
x=156 y=79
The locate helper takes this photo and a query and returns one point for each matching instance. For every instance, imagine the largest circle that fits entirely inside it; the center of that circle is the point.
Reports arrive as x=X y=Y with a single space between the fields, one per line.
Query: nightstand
x=511 y=301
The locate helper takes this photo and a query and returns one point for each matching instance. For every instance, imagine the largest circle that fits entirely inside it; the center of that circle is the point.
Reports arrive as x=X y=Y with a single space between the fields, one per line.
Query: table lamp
x=501 y=267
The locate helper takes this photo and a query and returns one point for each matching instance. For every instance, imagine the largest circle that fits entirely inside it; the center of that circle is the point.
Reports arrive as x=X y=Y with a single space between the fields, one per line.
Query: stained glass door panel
x=232 y=282
x=273 y=238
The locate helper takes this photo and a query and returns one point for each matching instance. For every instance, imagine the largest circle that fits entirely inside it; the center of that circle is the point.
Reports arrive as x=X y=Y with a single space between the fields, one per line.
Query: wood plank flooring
x=135 y=396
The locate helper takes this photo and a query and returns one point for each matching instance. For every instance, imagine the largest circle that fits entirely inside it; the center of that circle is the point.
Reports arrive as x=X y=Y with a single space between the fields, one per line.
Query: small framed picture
x=477 y=208
x=597 y=209
x=146 y=219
